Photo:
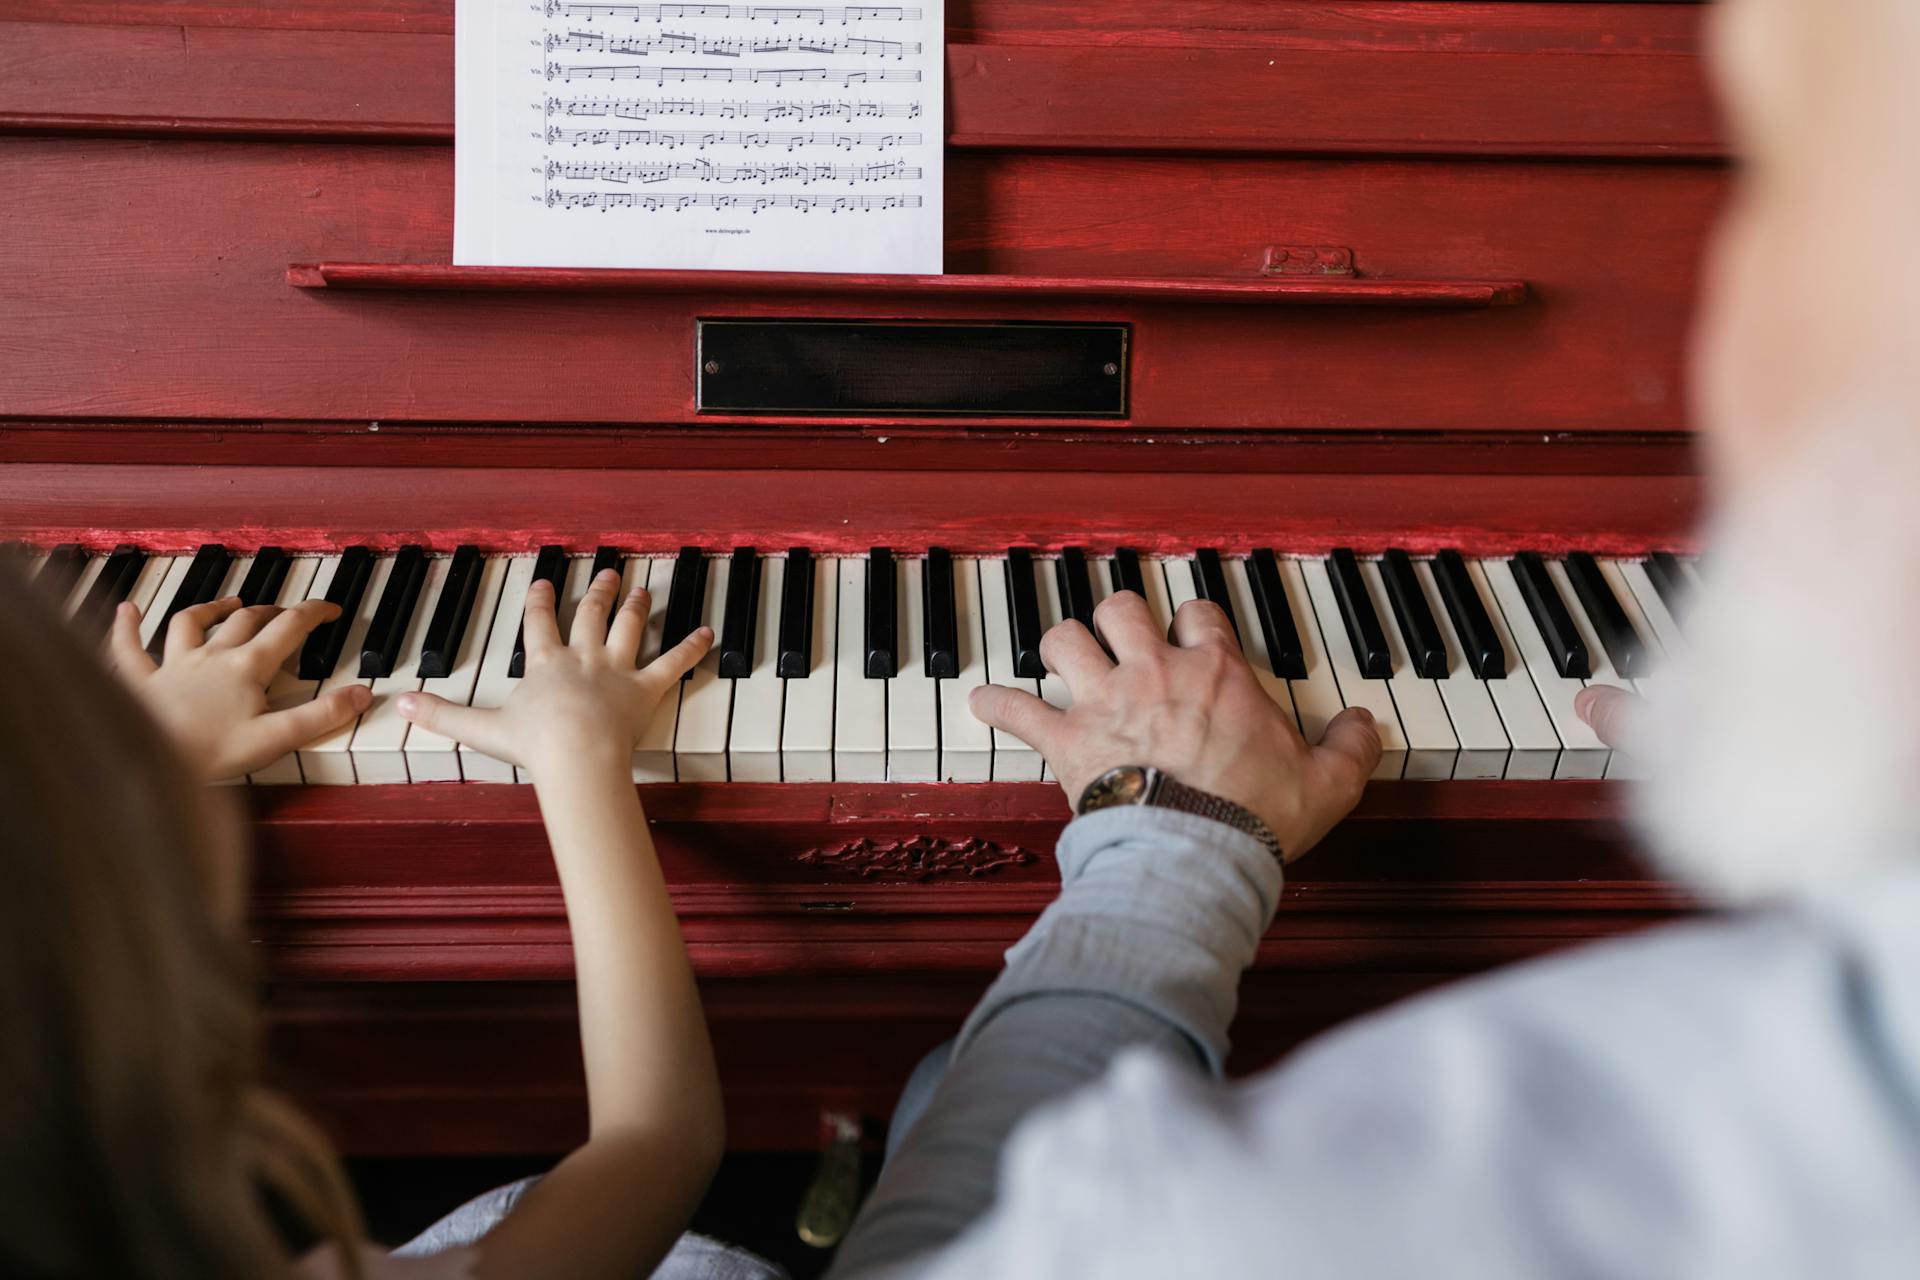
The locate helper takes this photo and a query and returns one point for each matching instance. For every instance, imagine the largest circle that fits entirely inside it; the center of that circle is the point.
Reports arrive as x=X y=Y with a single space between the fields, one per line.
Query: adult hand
x=582 y=702
x=210 y=692
x=1609 y=712
x=1192 y=709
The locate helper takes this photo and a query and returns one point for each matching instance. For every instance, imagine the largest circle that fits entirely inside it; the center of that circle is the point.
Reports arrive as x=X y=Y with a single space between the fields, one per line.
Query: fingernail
x=1583 y=701
x=610 y=575
x=409 y=705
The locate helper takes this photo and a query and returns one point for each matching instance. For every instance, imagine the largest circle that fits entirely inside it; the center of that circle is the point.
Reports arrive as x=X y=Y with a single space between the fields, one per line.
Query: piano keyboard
x=831 y=668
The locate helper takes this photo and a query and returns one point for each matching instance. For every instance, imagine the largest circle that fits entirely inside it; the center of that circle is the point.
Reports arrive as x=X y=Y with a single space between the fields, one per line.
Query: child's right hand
x=582 y=703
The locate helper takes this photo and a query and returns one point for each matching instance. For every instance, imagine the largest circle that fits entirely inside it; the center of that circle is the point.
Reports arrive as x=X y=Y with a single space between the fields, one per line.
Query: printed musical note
x=648 y=108
x=742 y=12
x=758 y=139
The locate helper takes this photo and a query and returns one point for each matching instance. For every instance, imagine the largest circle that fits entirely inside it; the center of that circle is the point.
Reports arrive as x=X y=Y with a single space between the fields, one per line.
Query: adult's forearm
x=1158 y=915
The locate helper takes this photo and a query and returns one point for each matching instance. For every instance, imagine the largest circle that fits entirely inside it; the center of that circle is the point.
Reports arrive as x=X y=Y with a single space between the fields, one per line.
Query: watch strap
x=1168 y=792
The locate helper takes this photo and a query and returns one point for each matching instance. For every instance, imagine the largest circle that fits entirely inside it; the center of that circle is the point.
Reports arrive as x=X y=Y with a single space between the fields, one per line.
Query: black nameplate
x=832 y=367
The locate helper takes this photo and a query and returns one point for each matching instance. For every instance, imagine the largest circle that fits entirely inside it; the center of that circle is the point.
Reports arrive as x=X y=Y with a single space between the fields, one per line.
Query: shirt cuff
x=1158 y=909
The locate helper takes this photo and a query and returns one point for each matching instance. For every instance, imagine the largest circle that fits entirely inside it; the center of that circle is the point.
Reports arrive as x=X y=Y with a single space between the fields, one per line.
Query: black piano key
x=1284 y=650
x=380 y=649
x=685 y=598
x=1569 y=651
x=1669 y=581
x=1023 y=614
x=883 y=620
x=1609 y=620
x=938 y=622
x=795 y=661
x=1426 y=651
x=740 y=622
x=265 y=576
x=197 y=585
x=1210 y=583
x=1356 y=610
x=1076 y=587
x=322 y=649
x=447 y=629
x=114 y=585
x=549 y=566
x=1126 y=572
x=1485 y=656
x=60 y=571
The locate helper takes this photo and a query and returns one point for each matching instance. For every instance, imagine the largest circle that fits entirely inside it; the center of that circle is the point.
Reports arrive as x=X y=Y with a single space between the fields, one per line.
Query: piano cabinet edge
x=454 y=883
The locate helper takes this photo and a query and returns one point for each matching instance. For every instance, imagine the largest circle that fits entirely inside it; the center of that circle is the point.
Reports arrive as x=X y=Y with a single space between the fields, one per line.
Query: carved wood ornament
x=917 y=857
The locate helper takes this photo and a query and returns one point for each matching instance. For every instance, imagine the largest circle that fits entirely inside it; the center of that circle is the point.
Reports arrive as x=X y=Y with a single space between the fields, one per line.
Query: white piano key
x=1484 y=745
x=1355 y=690
x=1659 y=665
x=1253 y=641
x=1013 y=760
x=170 y=572
x=913 y=697
x=1047 y=583
x=572 y=591
x=492 y=685
x=806 y=732
x=1053 y=689
x=1536 y=746
x=307 y=577
x=1179 y=584
x=1316 y=699
x=1153 y=577
x=706 y=700
x=379 y=742
x=1431 y=744
x=1582 y=754
x=1100 y=577
x=431 y=757
x=83 y=585
x=966 y=745
x=1619 y=764
x=859 y=704
x=328 y=761
x=753 y=743
x=653 y=748
x=1665 y=627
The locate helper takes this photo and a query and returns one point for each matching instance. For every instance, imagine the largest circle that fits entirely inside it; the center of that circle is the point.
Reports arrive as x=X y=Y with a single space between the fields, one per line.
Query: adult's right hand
x=1192 y=709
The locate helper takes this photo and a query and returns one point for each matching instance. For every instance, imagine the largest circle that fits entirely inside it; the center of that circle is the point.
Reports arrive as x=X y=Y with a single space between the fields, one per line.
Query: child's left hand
x=210 y=693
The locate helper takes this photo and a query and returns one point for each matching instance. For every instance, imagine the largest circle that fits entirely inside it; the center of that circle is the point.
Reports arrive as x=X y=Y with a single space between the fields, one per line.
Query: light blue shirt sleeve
x=1731 y=1098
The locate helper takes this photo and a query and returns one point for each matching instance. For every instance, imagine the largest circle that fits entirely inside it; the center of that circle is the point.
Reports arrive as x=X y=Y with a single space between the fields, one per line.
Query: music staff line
x=707 y=171
x=647 y=108
x=672 y=139
x=774 y=14
x=728 y=47
x=752 y=75
x=677 y=201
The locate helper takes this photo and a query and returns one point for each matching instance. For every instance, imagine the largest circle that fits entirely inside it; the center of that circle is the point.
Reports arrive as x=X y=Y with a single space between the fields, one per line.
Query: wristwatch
x=1144 y=784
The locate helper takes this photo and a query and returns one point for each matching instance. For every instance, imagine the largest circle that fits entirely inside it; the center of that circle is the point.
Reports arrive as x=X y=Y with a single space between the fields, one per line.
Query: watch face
x=1125 y=785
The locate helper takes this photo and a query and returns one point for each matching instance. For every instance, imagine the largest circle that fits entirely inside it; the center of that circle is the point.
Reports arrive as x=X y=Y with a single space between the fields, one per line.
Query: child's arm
x=615 y=1206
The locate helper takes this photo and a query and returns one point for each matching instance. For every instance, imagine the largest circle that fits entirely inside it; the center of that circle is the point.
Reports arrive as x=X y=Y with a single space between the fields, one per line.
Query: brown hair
x=138 y=1141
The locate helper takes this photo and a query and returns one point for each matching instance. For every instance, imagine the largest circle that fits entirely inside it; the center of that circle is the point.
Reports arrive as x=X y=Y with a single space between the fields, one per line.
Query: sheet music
x=725 y=136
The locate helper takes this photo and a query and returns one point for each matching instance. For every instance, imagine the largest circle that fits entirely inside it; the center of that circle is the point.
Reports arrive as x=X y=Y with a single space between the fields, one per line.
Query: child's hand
x=582 y=704
x=210 y=693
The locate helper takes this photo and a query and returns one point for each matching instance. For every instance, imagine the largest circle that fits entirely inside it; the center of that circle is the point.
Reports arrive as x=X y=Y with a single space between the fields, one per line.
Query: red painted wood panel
x=1514 y=79
x=1567 y=26
x=148 y=280
x=838 y=511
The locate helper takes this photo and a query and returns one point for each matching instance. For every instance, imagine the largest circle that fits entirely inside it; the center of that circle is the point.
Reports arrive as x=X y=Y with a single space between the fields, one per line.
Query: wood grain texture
x=1434 y=78
x=178 y=508
x=148 y=280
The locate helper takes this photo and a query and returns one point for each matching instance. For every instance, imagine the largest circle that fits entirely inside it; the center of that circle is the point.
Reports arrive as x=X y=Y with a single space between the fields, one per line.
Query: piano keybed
x=829 y=668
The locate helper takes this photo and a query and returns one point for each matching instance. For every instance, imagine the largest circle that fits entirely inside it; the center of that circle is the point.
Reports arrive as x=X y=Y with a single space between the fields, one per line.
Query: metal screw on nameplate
x=1109 y=368
x=713 y=366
